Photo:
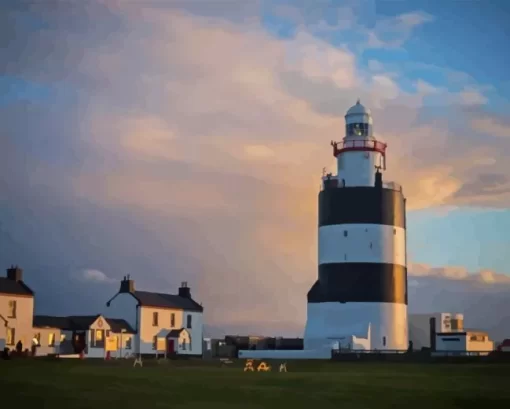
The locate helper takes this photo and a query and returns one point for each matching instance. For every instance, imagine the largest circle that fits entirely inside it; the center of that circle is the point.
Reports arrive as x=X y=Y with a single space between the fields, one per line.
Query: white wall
x=364 y=243
x=44 y=347
x=93 y=351
x=148 y=331
x=357 y=168
x=323 y=353
x=479 y=346
x=196 y=332
x=22 y=323
x=333 y=320
x=451 y=343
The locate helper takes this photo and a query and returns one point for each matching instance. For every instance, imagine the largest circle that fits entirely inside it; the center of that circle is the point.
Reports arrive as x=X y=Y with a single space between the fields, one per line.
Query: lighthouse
x=359 y=300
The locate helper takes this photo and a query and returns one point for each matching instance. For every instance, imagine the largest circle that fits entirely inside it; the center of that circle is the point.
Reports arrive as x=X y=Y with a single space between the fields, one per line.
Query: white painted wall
x=479 y=346
x=368 y=243
x=324 y=353
x=451 y=343
x=44 y=347
x=22 y=323
x=333 y=320
x=148 y=330
x=196 y=332
x=419 y=327
x=357 y=168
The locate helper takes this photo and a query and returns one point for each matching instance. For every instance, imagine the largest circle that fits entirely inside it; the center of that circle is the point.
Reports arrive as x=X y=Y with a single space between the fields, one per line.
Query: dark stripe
x=361 y=205
x=360 y=282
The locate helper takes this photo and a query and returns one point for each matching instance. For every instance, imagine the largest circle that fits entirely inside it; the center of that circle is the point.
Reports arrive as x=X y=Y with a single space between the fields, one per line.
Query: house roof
x=159 y=300
x=175 y=333
x=8 y=286
x=117 y=325
x=80 y=323
x=170 y=333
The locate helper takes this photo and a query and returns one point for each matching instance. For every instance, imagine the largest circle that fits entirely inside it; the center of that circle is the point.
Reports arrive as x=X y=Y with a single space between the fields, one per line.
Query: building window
x=358 y=129
x=37 y=339
x=62 y=337
x=477 y=338
x=154 y=342
x=51 y=339
x=128 y=343
x=154 y=319
x=107 y=333
x=11 y=336
x=12 y=309
x=384 y=341
x=97 y=338
x=184 y=345
x=172 y=320
x=188 y=324
x=394 y=232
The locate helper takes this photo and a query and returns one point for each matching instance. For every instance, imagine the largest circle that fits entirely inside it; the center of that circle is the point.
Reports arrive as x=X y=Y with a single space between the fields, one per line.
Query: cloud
x=95 y=276
x=480 y=296
x=393 y=32
x=491 y=126
x=457 y=273
x=182 y=143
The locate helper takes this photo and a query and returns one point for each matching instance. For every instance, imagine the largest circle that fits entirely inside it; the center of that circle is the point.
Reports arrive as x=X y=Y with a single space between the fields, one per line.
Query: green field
x=74 y=384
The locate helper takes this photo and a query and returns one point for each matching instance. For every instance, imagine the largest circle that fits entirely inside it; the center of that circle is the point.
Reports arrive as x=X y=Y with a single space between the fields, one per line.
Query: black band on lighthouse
x=361 y=205
x=360 y=282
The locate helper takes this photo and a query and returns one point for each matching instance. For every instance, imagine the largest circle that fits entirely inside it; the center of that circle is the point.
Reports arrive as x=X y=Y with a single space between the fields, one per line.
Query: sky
x=185 y=141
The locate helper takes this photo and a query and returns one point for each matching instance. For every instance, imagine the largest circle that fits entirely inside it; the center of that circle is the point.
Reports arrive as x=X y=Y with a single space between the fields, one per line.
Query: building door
x=170 y=346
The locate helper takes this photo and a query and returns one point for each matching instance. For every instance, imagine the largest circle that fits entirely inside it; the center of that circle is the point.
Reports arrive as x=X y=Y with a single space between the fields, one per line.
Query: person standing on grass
x=19 y=347
x=35 y=342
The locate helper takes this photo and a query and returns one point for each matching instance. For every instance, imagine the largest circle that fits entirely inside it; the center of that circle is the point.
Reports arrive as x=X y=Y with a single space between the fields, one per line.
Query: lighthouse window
x=345 y=233
x=358 y=129
x=384 y=341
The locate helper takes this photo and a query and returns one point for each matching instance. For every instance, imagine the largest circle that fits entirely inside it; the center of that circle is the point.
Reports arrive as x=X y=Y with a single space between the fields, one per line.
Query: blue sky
x=189 y=144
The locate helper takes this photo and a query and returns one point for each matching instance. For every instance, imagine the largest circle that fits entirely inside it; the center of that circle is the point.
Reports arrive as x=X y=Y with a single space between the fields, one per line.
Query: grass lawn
x=71 y=384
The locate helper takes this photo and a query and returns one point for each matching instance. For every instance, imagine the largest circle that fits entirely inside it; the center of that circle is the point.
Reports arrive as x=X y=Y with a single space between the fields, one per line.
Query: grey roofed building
x=181 y=301
x=80 y=323
x=149 y=299
x=14 y=284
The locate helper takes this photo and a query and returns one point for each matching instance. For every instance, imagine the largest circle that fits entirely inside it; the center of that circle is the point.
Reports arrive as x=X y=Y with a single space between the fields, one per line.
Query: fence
x=421 y=356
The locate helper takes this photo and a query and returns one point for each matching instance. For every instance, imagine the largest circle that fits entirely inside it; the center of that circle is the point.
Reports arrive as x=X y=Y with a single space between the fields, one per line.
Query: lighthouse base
x=355 y=325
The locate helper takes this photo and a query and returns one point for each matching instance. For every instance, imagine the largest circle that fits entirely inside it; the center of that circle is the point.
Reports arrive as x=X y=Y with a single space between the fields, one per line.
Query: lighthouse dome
x=358 y=109
x=358 y=122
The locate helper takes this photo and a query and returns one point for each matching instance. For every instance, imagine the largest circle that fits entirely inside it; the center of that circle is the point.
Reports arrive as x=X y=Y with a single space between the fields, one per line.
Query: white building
x=467 y=342
x=87 y=333
x=175 y=317
x=424 y=327
x=16 y=310
x=444 y=332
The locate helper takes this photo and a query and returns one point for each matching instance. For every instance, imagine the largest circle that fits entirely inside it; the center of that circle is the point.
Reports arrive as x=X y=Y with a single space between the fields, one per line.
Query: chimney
x=127 y=285
x=184 y=290
x=15 y=273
